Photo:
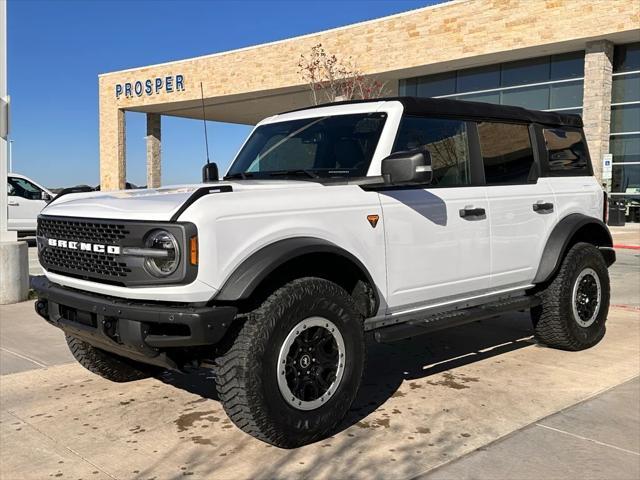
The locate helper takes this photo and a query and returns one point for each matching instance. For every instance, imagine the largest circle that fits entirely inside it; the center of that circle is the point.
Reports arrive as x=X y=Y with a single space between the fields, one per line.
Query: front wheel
x=575 y=304
x=295 y=367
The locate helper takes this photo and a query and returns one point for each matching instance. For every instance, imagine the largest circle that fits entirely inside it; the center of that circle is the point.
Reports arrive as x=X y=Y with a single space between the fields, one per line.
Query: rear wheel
x=295 y=367
x=107 y=365
x=575 y=304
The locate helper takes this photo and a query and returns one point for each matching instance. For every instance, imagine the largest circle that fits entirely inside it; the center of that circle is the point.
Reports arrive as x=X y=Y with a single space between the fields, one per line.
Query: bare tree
x=330 y=79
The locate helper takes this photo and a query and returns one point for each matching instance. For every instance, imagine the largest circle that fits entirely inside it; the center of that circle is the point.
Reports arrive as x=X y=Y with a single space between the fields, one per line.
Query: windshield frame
x=312 y=117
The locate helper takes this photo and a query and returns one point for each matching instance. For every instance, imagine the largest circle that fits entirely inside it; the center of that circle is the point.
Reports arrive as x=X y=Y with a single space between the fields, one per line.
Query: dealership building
x=574 y=56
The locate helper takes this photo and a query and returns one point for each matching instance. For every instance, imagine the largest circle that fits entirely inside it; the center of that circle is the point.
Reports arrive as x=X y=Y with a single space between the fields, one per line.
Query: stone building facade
x=407 y=50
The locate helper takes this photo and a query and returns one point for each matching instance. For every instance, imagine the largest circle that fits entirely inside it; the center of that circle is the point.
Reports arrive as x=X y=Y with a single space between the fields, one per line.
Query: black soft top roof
x=473 y=110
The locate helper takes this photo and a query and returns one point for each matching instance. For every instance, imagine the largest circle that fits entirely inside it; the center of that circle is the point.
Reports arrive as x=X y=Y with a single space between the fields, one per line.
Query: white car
x=26 y=199
x=399 y=217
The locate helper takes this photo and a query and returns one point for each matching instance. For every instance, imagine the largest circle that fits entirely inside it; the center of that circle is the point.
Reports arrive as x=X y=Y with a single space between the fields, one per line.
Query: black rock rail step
x=443 y=320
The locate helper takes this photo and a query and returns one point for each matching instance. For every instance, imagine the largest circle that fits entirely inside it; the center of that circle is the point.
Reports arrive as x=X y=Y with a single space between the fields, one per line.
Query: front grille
x=93 y=249
x=107 y=233
x=90 y=263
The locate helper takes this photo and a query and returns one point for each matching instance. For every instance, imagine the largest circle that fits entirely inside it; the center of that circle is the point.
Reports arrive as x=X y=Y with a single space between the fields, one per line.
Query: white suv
x=398 y=216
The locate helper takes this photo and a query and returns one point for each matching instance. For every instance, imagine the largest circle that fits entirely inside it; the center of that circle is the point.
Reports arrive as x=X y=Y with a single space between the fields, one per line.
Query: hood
x=155 y=204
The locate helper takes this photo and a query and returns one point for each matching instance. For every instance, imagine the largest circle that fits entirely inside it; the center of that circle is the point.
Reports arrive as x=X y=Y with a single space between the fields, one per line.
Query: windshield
x=331 y=146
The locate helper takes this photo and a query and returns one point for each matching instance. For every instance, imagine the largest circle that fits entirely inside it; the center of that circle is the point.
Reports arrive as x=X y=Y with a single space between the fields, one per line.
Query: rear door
x=522 y=206
x=437 y=235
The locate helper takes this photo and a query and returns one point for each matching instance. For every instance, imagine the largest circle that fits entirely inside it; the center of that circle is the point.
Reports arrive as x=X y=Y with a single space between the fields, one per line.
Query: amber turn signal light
x=193 y=250
x=373 y=220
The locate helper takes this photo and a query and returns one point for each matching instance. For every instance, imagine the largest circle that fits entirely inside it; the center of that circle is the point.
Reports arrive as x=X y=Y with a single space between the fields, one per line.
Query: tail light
x=605 y=208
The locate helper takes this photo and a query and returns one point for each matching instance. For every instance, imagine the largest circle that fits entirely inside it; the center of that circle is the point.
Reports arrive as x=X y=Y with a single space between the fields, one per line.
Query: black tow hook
x=42 y=309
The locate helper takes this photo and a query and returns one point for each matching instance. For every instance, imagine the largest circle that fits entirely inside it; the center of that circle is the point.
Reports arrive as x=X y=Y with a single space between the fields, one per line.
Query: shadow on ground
x=388 y=365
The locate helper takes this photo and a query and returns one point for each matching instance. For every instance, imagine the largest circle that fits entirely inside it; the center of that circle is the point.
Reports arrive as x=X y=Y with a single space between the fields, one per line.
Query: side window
x=507 y=153
x=11 y=191
x=567 y=152
x=447 y=142
x=23 y=188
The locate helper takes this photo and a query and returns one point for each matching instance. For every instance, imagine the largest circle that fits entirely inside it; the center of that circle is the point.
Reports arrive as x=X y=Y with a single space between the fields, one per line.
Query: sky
x=57 y=49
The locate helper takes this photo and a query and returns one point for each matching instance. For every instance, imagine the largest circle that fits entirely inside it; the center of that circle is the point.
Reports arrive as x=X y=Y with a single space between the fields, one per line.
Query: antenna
x=204 y=122
x=210 y=170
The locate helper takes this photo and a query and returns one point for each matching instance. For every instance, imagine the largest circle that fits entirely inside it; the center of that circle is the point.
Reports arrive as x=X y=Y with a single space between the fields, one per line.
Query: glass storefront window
x=625 y=118
x=499 y=83
x=475 y=79
x=566 y=94
x=625 y=88
x=626 y=179
x=536 y=98
x=522 y=72
x=625 y=148
x=567 y=65
x=626 y=58
x=489 y=97
x=436 y=85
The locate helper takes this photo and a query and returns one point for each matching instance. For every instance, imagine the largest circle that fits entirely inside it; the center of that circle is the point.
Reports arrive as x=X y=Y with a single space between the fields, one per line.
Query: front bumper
x=152 y=333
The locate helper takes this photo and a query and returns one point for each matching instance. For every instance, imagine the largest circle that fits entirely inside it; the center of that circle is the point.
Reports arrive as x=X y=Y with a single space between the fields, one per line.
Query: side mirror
x=45 y=196
x=413 y=166
x=210 y=173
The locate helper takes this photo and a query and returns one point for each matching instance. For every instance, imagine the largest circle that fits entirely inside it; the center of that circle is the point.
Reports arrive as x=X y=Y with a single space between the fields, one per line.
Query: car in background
x=26 y=199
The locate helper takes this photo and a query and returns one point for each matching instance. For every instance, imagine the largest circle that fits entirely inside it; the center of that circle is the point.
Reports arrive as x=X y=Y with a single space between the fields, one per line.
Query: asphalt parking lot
x=480 y=401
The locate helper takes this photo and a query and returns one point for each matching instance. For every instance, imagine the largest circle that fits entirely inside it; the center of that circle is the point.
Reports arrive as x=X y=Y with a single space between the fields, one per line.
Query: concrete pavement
x=424 y=403
x=596 y=439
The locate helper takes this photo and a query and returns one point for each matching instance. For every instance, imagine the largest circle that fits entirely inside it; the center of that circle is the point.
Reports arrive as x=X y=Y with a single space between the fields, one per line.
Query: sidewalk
x=627 y=236
x=597 y=438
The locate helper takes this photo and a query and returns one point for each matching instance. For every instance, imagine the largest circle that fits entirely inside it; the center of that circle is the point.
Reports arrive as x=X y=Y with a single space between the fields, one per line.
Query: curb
x=628 y=247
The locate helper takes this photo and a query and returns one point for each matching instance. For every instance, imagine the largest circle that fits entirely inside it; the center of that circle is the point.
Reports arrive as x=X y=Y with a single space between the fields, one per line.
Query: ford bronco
x=399 y=217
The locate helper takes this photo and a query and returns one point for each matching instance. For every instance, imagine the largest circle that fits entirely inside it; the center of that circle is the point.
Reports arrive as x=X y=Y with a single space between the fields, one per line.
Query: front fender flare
x=254 y=269
x=560 y=240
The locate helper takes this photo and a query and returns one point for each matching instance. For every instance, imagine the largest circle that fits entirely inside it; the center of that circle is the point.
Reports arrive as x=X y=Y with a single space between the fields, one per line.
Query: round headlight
x=166 y=261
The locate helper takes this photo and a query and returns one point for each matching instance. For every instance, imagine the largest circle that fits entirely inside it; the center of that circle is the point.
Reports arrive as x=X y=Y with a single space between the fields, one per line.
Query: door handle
x=13 y=204
x=543 y=207
x=472 y=213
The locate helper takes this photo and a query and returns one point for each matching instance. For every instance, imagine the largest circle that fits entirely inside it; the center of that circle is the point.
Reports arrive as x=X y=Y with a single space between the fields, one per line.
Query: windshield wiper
x=241 y=175
x=301 y=171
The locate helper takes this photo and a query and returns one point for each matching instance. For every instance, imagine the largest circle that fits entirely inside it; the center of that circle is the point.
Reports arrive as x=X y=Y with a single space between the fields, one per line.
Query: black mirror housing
x=210 y=173
x=410 y=167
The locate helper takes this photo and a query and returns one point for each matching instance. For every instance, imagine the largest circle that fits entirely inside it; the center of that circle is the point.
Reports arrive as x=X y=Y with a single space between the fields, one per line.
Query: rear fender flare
x=561 y=239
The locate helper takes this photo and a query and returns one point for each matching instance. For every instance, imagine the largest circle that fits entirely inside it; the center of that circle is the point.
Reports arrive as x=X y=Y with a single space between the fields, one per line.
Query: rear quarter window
x=567 y=152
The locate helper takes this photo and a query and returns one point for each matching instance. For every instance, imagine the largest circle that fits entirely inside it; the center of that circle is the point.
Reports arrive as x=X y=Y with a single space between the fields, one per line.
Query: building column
x=154 y=158
x=113 y=149
x=596 y=105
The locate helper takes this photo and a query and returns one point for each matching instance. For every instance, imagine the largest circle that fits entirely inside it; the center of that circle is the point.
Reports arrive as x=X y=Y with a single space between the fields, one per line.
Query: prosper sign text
x=150 y=86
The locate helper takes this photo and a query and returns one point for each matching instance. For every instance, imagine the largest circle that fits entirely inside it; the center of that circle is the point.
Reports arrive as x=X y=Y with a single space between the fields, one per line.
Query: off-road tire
x=246 y=374
x=108 y=365
x=554 y=320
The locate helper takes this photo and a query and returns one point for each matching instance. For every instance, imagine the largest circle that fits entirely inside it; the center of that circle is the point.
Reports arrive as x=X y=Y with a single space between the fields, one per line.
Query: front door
x=437 y=237
x=24 y=204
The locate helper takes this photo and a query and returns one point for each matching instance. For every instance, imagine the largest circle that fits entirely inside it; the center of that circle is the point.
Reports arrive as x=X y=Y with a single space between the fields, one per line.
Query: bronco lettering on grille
x=84 y=246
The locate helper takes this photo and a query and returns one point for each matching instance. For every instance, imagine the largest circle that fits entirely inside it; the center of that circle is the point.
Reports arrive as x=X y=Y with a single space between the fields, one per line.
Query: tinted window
x=482 y=78
x=507 y=153
x=434 y=85
x=626 y=58
x=447 y=143
x=625 y=148
x=521 y=72
x=567 y=151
